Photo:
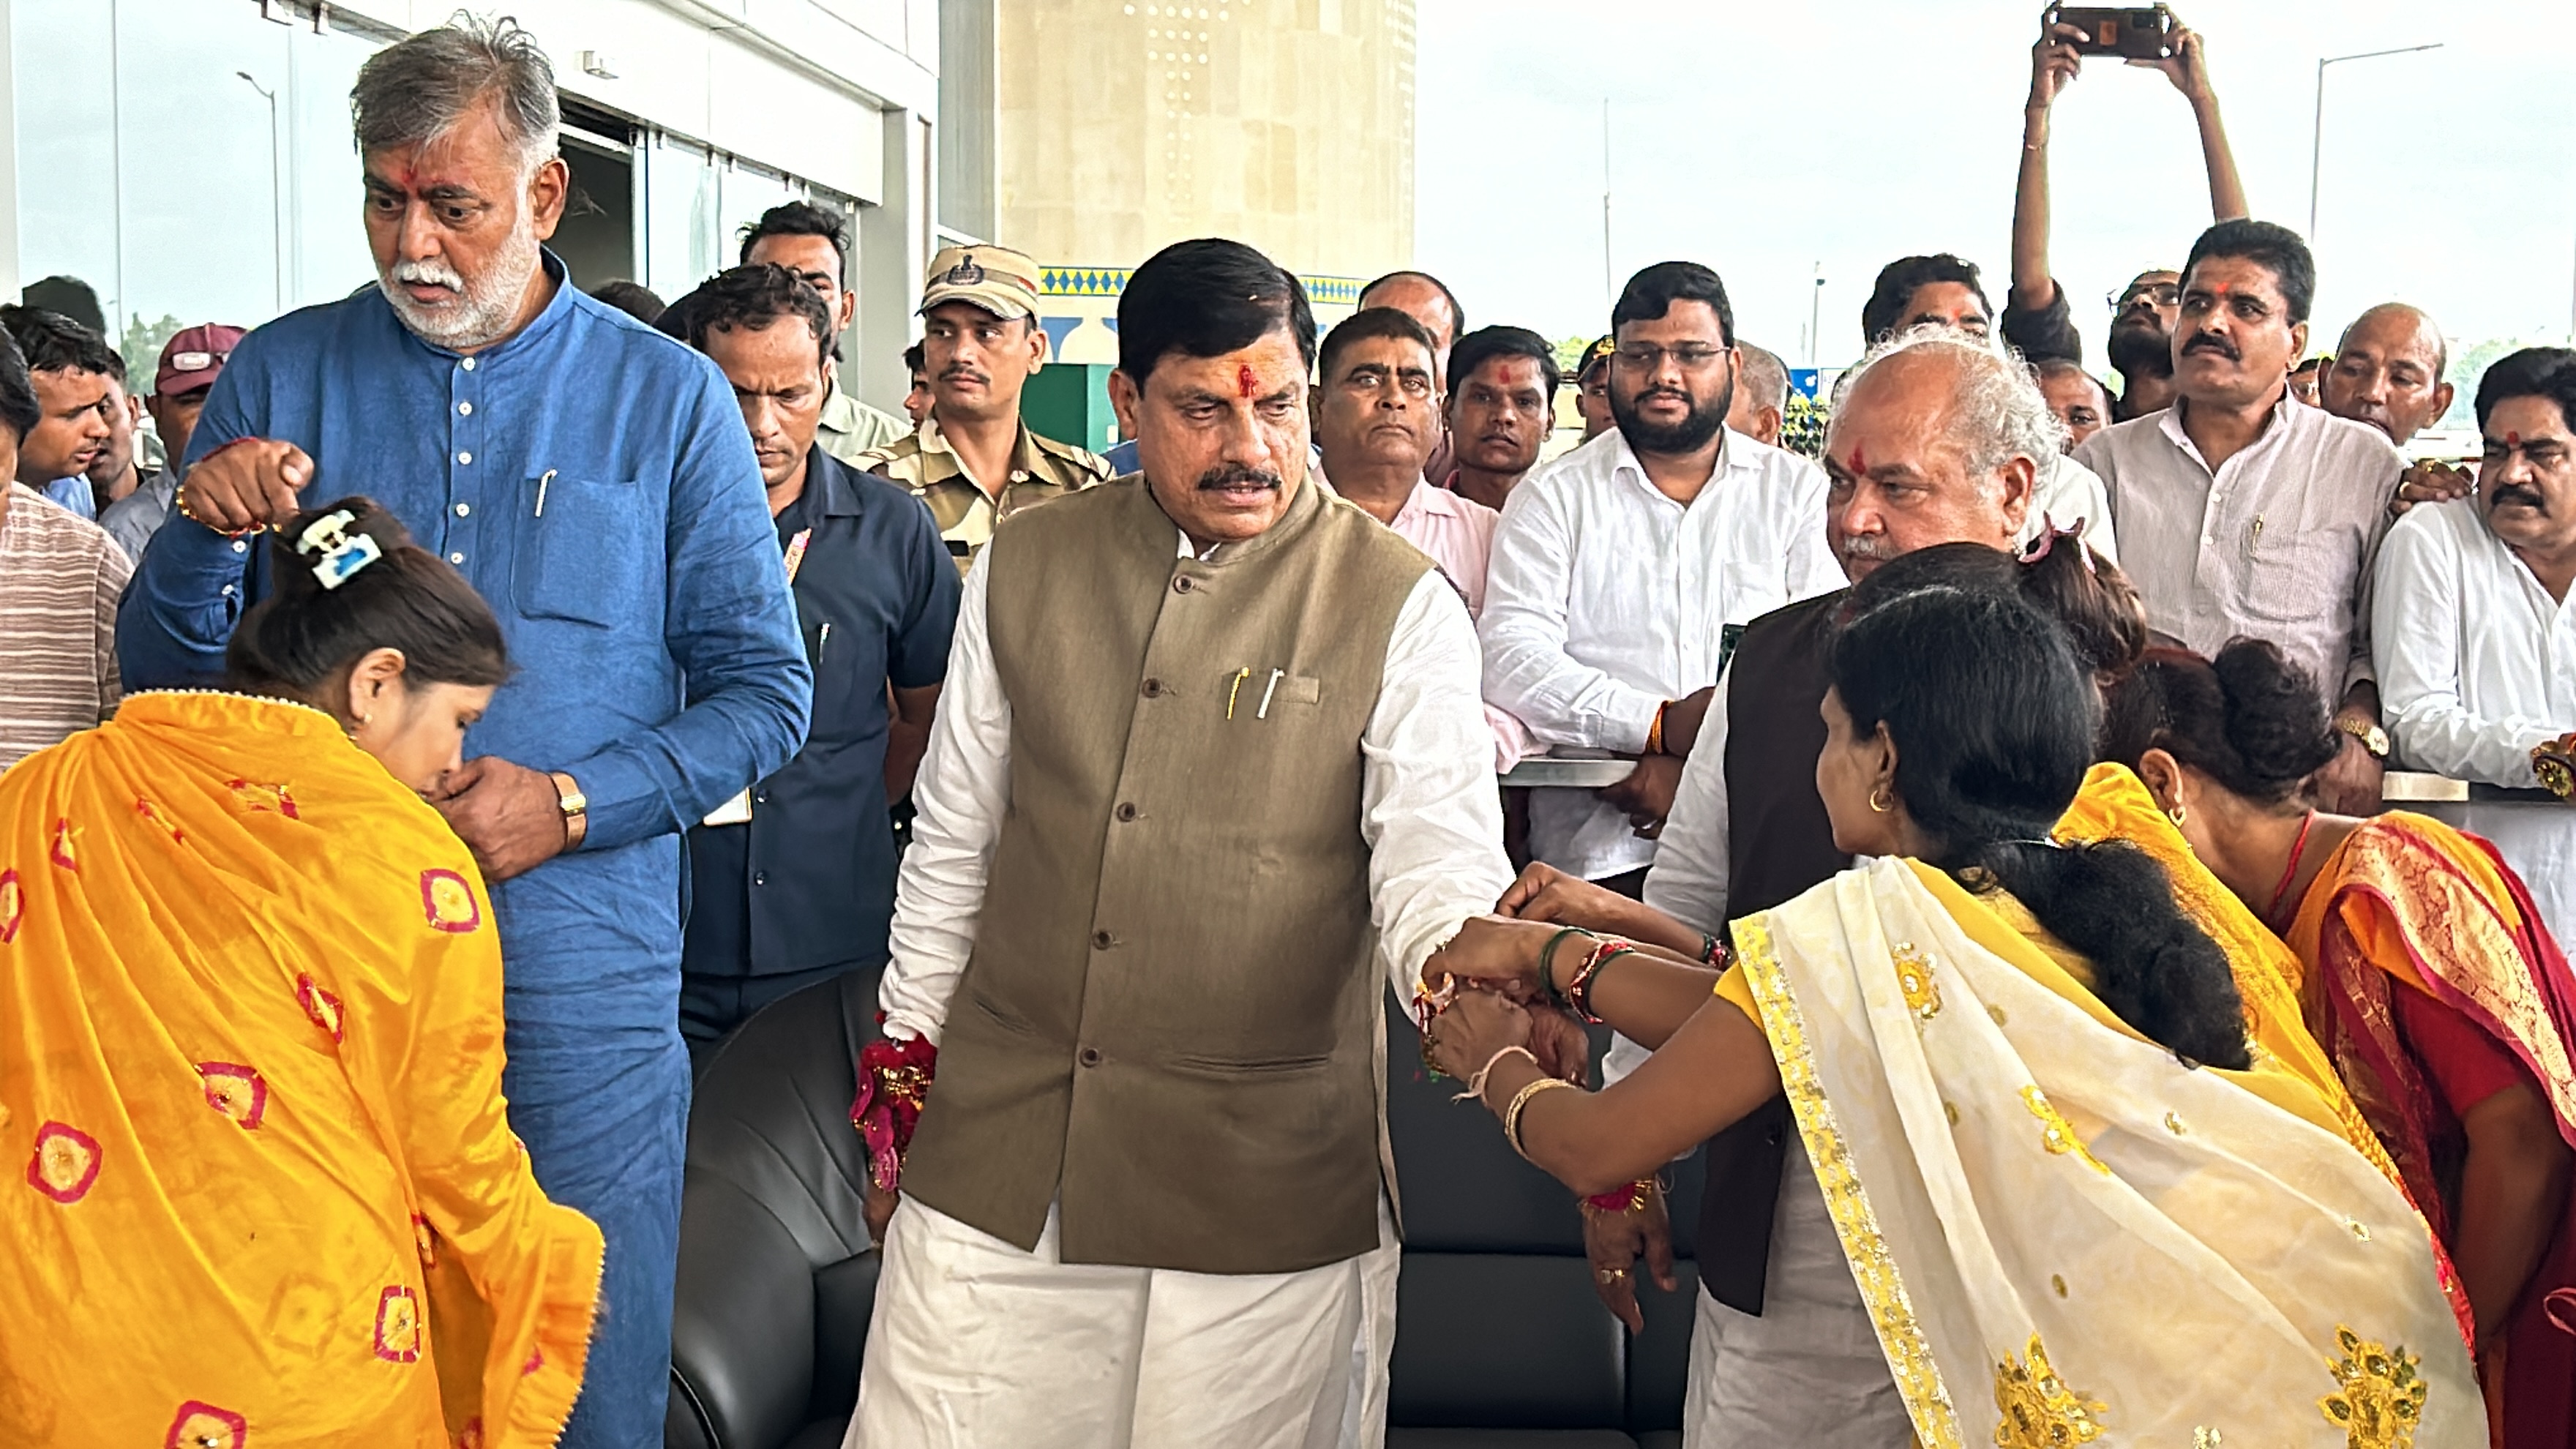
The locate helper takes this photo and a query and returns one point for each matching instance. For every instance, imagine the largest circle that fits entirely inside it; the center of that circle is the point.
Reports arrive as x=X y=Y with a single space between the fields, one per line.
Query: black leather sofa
x=1500 y=1341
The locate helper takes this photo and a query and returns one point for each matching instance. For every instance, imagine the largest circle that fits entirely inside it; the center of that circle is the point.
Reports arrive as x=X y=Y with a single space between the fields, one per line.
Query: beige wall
x=1287 y=124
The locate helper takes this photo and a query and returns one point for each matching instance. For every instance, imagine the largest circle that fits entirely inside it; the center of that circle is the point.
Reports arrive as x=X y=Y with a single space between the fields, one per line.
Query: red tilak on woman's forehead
x=1244 y=380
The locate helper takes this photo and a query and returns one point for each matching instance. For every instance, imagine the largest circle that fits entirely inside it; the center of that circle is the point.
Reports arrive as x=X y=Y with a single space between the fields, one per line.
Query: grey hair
x=419 y=88
x=1764 y=376
x=1997 y=413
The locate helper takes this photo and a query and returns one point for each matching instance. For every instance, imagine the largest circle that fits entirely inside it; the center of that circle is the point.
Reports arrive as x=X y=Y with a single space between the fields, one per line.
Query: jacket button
x=1127 y=812
x=1184 y=584
x=1088 y=1056
x=759 y=797
x=760 y=877
x=1102 y=940
x=1772 y=1137
x=1153 y=689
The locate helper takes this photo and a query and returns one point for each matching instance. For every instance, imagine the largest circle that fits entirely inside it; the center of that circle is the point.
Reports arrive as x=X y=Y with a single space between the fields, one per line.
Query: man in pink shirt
x=1377 y=415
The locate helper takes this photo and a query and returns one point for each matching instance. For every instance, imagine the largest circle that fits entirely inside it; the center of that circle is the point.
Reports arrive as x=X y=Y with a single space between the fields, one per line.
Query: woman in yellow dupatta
x=265 y=1189
x=2076 y=1205
x=2427 y=975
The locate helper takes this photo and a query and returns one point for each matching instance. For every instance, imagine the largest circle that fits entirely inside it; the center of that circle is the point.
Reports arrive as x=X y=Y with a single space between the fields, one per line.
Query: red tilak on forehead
x=1859 y=464
x=1244 y=380
x=2513 y=440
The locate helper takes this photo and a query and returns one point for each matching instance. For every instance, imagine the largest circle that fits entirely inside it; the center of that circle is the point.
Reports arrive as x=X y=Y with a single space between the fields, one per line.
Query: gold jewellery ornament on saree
x=2555 y=764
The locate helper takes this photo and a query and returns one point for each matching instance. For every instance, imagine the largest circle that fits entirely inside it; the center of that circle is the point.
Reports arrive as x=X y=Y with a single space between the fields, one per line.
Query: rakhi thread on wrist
x=2555 y=763
x=1578 y=992
x=1476 y=1083
x=179 y=499
x=1628 y=1199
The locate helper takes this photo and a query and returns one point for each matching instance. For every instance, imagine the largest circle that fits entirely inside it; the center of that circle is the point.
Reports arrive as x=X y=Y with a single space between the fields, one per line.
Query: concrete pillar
x=895 y=247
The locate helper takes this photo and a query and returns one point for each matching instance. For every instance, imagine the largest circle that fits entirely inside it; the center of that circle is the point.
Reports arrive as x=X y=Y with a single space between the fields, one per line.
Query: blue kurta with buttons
x=593 y=479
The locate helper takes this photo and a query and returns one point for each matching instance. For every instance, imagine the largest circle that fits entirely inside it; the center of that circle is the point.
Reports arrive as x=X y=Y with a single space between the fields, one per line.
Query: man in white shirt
x=2243 y=513
x=1377 y=417
x=1622 y=571
x=2474 y=634
x=1222 y=807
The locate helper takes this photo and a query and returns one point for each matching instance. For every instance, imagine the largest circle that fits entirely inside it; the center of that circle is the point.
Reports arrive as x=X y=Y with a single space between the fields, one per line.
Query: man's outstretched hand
x=248 y=484
x=1615 y=1241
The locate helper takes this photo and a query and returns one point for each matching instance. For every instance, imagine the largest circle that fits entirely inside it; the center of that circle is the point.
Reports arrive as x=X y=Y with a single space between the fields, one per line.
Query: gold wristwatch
x=575 y=806
x=2372 y=737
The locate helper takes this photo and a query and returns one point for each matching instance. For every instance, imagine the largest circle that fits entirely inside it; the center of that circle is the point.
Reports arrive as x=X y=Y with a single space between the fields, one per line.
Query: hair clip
x=2049 y=533
x=342 y=553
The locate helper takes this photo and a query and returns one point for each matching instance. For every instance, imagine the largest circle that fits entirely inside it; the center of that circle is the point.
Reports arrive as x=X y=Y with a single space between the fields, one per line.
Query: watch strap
x=575 y=806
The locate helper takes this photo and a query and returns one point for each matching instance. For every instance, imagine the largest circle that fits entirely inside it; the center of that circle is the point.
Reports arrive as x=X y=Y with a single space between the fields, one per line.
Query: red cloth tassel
x=894 y=1080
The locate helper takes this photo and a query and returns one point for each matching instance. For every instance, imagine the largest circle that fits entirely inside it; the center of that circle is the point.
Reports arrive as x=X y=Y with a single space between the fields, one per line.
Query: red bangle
x=1578 y=992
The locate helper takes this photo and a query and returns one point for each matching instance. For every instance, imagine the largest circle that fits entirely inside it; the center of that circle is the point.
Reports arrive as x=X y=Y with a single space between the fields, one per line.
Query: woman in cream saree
x=2065 y=1229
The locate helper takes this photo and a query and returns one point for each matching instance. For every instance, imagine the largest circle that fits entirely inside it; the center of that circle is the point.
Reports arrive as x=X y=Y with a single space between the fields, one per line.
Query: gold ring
x=1611 y=1275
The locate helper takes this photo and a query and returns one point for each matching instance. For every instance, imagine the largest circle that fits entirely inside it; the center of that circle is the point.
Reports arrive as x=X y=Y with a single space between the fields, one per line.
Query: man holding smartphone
x=2037 y=316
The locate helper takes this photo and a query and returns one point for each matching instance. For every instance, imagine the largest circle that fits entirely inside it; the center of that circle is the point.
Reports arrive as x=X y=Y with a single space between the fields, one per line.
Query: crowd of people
x=2001 y=886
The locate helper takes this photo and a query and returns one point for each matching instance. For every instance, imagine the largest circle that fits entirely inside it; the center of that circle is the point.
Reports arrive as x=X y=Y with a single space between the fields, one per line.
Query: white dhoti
x=1808 y=1370
x=976 y=1343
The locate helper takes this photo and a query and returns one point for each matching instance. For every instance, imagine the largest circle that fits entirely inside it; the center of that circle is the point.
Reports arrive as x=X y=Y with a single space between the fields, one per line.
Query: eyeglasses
x=2163 y=294
x=1688 y=359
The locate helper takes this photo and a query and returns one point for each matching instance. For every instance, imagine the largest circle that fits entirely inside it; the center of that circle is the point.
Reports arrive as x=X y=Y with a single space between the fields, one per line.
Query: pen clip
x=543 y=479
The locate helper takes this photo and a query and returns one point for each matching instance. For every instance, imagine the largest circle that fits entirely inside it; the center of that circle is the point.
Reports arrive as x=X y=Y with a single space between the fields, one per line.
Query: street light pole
x=2317 y=142
x=1609 y=276
x=276 y=200
x=1815 y=313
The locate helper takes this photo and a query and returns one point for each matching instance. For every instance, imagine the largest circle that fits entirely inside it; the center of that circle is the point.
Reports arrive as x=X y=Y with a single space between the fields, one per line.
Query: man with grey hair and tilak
x=1941 y=438
x=591 y=477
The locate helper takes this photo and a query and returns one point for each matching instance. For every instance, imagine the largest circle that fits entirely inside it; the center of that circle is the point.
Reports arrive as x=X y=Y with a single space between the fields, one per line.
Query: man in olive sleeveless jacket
x=1209 y=775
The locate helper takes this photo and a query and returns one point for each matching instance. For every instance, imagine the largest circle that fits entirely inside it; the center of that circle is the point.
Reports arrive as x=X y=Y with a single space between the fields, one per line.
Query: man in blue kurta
x=592 y=478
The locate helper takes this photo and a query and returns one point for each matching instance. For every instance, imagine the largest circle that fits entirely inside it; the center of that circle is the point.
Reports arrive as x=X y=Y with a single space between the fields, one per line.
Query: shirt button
x=1102 y=940
x=1127 y=812
x=1088 y=1056
x=463 y=509
x=457 y=559
x=240 y=547
x=760 y=877
x=465 y=457
x=1184 y=584
x=1153 y=689
x=465 y=410
x=468 y=364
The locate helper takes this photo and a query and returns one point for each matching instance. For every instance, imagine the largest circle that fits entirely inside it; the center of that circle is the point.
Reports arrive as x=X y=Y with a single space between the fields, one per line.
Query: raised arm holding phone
x=2038 y=318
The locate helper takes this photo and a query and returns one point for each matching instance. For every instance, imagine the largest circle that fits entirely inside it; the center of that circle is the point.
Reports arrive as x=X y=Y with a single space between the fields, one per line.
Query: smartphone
x=2131 y=32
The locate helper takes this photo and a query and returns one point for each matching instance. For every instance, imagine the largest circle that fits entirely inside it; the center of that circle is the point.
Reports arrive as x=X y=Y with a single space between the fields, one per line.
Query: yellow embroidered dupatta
x=2064 y=1234
x=261 y=1187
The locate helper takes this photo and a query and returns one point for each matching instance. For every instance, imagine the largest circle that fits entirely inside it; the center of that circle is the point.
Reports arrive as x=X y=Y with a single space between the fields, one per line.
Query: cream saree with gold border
x=2066 y=1236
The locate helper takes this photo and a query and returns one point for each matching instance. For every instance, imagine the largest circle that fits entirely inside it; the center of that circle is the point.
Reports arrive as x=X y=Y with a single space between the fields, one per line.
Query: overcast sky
x=1765 y=138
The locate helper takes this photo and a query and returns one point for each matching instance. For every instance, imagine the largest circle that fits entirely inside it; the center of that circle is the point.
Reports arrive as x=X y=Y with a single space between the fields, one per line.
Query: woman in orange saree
x=262 y=1188
x=2429 y=979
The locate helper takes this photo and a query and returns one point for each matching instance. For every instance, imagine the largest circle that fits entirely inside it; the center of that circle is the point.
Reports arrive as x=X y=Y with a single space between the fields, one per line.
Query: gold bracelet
x=1520 y=1101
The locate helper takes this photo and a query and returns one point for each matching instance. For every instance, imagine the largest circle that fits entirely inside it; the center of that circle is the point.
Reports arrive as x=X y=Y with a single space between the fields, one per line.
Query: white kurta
x=2477 y=664
x=1605 y=598
x=977 y=1343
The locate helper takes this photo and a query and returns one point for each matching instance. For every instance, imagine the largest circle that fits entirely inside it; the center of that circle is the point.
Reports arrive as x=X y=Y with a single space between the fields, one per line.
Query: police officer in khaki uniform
x=972 y=460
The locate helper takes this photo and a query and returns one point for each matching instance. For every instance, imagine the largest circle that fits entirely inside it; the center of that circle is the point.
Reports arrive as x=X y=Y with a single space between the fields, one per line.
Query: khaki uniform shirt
x=850 y=429
x=1041 y=468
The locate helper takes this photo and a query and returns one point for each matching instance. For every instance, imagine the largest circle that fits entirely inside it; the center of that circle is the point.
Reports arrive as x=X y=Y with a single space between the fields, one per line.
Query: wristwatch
x=2372 y=737
x=575 y=806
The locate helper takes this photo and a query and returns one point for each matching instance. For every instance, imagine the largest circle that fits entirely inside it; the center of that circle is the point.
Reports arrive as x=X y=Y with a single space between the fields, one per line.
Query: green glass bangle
x=1547 y=958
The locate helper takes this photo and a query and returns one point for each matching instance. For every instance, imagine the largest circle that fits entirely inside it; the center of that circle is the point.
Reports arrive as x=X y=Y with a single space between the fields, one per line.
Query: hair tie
x=341 y=552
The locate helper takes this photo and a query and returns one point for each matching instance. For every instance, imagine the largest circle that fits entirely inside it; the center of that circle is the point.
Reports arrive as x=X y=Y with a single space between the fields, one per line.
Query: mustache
x=2212 y=342
x=430 y=274
x=1229 y=475
x=1865 y=545
x=2505 y=493
x=960 y=372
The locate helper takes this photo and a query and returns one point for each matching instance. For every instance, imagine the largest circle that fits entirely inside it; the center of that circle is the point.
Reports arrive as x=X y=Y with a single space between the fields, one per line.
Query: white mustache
x=433 y=274
x=1867 y=545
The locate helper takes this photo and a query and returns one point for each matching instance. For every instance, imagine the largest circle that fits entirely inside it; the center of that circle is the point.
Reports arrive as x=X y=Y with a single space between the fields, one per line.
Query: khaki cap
x=997 y=279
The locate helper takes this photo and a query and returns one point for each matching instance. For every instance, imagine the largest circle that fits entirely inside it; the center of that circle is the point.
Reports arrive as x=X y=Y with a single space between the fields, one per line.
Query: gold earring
x=1882 y=806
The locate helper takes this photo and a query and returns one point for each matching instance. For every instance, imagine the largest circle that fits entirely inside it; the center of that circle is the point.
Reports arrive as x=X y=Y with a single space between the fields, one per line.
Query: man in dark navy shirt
x=793 y=881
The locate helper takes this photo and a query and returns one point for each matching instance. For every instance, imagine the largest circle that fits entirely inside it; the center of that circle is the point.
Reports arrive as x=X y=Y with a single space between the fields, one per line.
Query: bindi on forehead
x=2512 y=439
x=1859 y=464
x=1244 y=382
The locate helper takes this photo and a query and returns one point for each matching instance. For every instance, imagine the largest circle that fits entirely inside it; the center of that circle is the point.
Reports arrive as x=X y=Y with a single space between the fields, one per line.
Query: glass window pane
x=679 y=218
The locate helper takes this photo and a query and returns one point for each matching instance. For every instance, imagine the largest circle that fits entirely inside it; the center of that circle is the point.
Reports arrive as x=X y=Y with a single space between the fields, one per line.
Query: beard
x=1689 y=435
x=486 y=306
x=2141 y=350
